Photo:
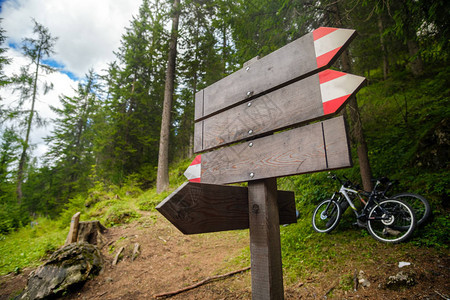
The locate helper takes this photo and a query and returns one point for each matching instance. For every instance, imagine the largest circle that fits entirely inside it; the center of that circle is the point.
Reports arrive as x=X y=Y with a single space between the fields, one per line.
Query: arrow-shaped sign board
x=200 y=208
x=305 y=100
x=282 y=90
x=312 y=148
x=299 y=59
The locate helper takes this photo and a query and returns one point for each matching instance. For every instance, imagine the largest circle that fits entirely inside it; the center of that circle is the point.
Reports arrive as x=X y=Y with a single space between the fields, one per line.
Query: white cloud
x=88 y=31
x=62 y=85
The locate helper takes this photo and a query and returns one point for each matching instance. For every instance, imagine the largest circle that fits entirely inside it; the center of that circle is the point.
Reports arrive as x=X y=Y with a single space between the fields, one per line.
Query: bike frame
x=344 y=191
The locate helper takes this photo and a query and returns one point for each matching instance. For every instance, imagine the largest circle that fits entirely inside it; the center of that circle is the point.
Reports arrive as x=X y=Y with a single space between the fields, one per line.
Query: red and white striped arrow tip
x=193 y=172
x=328 y=41
x=336 y=87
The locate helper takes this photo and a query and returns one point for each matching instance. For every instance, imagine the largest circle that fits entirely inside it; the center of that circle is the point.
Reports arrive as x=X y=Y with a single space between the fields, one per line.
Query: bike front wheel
x=326 y=216
x=420 y=205
x=391 y=221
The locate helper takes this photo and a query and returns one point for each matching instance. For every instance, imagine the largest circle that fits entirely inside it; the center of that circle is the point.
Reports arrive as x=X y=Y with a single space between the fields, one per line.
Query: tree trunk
x=23 y=156
x=162 y=181
x=416 y=63
x=357 y=132
x=91 y=232
x=224 y=48
x=361 y=145
x=383 y=48
x=355 y=117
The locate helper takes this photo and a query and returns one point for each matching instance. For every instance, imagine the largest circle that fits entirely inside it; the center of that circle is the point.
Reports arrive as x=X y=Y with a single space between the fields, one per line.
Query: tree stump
x=91 y=232
x=73 y=232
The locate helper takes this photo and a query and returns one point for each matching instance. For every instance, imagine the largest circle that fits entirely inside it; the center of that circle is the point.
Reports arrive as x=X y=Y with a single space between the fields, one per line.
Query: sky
x=88 y=32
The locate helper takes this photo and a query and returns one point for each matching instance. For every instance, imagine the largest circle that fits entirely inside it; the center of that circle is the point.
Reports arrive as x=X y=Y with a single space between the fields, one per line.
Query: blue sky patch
x=54 y=64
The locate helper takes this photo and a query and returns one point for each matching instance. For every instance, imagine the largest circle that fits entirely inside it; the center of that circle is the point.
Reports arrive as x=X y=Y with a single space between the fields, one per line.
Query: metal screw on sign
x=250 y=131
x=249 y=104
x=250 y=144
x=255 y=208
x=246 y=69
x=252 y=175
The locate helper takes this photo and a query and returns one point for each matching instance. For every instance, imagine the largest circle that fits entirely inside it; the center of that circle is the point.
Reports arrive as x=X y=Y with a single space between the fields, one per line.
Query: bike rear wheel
x=420 y=205
x=326 y=216
x=391 y=221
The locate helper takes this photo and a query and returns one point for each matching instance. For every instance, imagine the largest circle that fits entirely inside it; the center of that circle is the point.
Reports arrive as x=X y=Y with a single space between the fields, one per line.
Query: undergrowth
x=404 y=123
x=111 y=205
x=27 y=246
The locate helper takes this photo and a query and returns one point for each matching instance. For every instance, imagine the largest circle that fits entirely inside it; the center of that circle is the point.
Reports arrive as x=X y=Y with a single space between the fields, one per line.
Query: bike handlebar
x=347 y=183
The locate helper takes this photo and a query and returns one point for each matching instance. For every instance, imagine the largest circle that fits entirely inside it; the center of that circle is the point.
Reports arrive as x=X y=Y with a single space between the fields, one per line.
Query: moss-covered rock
x=400 y=280
x=67 y=268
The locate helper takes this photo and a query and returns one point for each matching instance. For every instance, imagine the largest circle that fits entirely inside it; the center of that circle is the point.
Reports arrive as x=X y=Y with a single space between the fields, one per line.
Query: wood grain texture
x=265 y=245
x=198 y=137
x=73 y=230
x=290 y=63
x=297 y=151
x=288 y=106
x=199 y=208
x=337 y=143
x=199 y=96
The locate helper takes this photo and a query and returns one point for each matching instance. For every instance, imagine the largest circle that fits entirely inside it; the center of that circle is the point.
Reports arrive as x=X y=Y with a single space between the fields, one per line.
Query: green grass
x=111 y=205
x=398 y=116
x=27 y=246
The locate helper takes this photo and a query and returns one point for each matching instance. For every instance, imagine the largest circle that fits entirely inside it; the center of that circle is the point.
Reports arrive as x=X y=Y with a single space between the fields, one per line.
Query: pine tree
x=4 y=80
x=4 y=60
x=128 y=142
x=162 y=180
x=71 y=140
x=8 y=156
x=200 y=63
x=36 y=50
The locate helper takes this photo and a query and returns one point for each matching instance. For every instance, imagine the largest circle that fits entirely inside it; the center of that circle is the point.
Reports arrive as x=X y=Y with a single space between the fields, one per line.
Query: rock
x=400 y=280
x=402 y=264
x=362 y=280
x=67 y=268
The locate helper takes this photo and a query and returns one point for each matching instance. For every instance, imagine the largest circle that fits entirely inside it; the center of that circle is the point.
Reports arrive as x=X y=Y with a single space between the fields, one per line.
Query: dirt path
x=169 y=261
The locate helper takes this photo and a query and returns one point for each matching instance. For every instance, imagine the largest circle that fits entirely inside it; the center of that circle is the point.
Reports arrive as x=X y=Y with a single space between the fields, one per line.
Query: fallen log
x=200 y=283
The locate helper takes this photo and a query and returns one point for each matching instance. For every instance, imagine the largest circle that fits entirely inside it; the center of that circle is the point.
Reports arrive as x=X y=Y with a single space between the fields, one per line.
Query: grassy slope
x=407 y=111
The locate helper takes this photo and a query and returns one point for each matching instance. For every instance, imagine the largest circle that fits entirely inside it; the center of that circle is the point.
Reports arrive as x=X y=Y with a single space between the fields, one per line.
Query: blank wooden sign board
x=242 y=124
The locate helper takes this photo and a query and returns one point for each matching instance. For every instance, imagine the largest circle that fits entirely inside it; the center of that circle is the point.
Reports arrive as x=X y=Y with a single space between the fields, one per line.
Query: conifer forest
x=131 y=124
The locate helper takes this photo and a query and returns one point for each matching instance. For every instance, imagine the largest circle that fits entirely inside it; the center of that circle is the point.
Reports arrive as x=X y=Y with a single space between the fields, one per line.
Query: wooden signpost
x=242 y=120
x=299 y=59
x=199 y=208
x=321 y=94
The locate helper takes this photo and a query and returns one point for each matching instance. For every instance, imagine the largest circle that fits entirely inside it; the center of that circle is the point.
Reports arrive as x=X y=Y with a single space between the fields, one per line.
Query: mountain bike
x=387 y=220
x=419 y=203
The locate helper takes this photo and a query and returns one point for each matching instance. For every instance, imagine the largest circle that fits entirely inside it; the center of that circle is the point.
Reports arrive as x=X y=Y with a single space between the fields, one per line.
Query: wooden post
x=265 y=245
x=73 y=231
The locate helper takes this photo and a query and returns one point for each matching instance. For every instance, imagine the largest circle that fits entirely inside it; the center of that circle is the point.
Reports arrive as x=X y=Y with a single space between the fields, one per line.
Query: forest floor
x=169 y=261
